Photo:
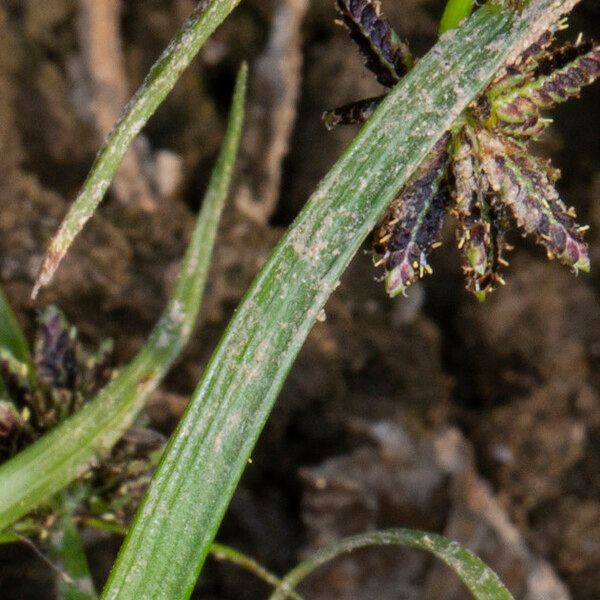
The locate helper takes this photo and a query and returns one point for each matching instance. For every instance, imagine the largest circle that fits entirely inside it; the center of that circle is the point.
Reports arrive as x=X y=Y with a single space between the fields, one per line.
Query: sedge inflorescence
x=481 y=171
x=61 y=379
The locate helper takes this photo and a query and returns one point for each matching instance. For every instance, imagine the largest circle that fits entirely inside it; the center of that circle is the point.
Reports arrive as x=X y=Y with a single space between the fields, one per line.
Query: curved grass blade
x=66 y=452
x=207 y=454
x=454 y=13
x=481 y=581
x=161 y=79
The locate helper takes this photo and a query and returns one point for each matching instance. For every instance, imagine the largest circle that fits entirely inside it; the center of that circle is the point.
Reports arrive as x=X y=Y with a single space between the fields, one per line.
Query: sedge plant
x=206 y=455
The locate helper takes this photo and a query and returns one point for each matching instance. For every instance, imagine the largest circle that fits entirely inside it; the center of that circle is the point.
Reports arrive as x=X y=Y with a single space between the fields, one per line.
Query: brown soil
x=478 y=421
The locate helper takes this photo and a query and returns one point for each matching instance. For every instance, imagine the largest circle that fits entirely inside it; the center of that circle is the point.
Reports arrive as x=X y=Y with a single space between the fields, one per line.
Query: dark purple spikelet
x=558 y=76
x=480 y=231
x=560 y=57
x=483 y=251
x=56 y=351
x=555 y=83
x=63 y=378
x=528 y=59
x=494 y=179
x=527 y=190
x=412 y=223
x=351 y=114
x=385 y=54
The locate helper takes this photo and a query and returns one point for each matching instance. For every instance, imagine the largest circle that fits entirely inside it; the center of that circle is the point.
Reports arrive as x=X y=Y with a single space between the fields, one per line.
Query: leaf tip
x=51 y=261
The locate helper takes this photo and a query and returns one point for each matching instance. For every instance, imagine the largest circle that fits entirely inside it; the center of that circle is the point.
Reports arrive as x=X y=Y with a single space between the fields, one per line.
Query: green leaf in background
x=11 y=334
x=60 y=456
x=454 y=13
x=73 y=580
x=161 y=79
x=482 y=582
x=183 y=508
x=221 y=552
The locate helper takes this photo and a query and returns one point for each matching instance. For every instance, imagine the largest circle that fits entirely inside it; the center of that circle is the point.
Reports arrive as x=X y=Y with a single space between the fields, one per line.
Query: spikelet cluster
x=482 y=171
x=60 y=381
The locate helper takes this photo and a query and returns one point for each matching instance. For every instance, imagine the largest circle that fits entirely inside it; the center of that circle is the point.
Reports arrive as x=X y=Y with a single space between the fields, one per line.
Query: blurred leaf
x=74 y=581
x=482 y=582
x=454 y=13
x=11 y=335
x=221 y=552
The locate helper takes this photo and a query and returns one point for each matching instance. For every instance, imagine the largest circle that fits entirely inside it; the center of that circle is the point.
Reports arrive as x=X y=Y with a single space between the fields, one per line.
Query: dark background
x=478 y=421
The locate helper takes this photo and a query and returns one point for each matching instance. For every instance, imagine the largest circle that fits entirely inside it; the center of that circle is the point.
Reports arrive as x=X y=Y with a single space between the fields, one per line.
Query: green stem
x=65 y=453
x=161 y=79
x=217 y=551
x=482 y=582
x=221 y=552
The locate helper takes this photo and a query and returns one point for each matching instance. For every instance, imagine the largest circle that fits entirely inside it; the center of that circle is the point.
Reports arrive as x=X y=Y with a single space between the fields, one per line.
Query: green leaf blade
x=481 y=581
x=454 y=13
x=67 y=451
x=73 y=580
x=12 y=337
x=161 y=79
x=206 y=457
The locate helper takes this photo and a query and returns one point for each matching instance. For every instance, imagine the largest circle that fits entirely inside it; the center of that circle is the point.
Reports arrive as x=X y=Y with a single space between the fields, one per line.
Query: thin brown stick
x=274 y=92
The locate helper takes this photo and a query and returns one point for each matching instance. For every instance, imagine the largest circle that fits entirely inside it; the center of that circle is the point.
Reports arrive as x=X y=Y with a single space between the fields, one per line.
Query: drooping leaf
x=481 y=581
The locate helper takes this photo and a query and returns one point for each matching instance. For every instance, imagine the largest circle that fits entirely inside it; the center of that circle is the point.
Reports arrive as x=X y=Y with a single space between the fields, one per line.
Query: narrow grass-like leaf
x=235 y=557
x=206 y=456
x=60 y=456
x=161 y=79
x=11 y=334
x=454 y=13
x=482 y=582
x=73 y=580
x=218 y=551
